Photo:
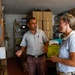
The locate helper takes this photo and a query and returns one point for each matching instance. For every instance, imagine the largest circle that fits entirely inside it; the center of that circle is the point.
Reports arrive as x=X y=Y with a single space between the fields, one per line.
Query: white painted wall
x=9 y=19
x=53 y=19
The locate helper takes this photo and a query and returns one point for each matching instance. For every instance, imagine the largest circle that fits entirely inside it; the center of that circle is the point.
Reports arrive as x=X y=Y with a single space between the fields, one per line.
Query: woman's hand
x=54 y=58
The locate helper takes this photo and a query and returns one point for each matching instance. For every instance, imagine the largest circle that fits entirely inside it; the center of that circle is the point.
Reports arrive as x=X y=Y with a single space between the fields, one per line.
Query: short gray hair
x=70 y=18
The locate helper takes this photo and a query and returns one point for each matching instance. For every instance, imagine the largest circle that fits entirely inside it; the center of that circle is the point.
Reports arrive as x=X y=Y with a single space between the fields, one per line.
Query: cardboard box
x=47 y=15
x=0 y=19
x=0 y=5
x=49 y=34
x=39 y=24
x=47 y=25
x=4 y=62
x=0 y=8
x=1 y=32
x=37 y=15
x=0 y=16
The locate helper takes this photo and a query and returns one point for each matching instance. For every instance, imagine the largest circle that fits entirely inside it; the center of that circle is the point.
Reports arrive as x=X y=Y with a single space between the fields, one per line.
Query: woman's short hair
x=70 y=18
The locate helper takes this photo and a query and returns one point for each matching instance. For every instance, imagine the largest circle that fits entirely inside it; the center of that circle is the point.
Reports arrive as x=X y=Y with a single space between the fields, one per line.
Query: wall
x=9 y=19
x=53 y=19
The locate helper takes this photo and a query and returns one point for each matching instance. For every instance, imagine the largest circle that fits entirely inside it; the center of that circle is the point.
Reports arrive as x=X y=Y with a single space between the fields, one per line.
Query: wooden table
x=49 y=63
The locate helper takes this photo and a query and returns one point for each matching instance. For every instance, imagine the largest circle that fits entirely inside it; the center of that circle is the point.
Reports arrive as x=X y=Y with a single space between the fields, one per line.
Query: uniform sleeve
x=72 y=43
x=23 y=42
x=45 y=39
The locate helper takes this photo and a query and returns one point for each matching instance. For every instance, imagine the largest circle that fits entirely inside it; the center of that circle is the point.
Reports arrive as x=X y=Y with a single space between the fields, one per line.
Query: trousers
x=69 y=73
x=36 y=65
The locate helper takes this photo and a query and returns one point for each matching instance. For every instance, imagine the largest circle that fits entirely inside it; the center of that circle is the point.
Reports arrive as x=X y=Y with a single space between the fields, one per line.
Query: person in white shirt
x=66 y=59
x=35 y=43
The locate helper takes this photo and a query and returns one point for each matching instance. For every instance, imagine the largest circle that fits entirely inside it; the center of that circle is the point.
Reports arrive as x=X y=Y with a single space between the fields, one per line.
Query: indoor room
x=35 y=37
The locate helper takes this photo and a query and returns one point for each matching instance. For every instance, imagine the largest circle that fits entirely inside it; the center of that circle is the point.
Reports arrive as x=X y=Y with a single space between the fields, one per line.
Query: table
x=49 y=63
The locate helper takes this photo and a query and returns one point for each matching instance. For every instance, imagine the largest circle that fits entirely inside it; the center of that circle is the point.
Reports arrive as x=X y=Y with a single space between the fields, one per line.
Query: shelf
x=19 y=29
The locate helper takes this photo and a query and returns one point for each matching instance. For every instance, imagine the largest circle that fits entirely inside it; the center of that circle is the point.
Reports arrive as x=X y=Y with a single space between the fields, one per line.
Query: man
x=35 y=43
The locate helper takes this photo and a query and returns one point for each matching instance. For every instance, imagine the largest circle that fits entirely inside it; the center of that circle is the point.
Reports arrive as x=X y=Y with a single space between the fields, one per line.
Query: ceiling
x=25 y=6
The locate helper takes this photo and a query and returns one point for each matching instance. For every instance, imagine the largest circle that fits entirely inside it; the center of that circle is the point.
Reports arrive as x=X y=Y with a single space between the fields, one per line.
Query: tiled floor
x=13 y=68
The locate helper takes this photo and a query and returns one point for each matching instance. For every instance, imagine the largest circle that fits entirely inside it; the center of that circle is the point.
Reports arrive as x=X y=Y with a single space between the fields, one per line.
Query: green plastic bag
x=52 y=50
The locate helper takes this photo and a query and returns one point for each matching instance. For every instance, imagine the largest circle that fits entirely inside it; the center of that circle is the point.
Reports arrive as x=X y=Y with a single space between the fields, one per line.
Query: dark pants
x=38 y=64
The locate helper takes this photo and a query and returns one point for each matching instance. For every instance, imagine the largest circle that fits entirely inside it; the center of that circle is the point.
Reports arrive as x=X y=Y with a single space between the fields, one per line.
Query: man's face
x=32 y=24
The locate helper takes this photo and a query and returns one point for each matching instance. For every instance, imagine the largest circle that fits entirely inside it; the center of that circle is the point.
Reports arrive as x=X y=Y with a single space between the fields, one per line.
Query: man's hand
x=45 y=49
x=18 y=53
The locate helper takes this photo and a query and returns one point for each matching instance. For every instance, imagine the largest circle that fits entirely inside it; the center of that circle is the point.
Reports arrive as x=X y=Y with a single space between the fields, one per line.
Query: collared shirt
x=68 y=45
x=34 y=42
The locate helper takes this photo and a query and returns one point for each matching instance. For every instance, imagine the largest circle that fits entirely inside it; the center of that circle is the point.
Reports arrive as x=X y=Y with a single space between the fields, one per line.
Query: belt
x=71 y=73
x=36 y=56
